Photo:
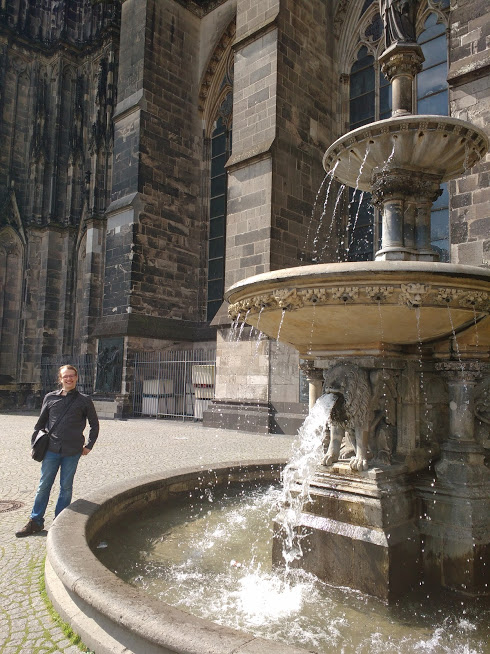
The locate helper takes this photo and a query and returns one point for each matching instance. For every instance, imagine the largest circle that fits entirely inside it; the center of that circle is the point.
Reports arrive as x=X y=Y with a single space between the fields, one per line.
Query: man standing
x=68 y=410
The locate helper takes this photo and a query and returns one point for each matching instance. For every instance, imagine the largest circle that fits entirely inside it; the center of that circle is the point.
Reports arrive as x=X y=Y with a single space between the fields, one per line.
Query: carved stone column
x=456 y=514
x=314 y=377
x=405 y=199
x=400 y=63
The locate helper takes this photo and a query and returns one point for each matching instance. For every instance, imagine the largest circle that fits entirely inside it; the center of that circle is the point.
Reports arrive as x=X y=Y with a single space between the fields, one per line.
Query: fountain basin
x=114 y=617
x=326 y=308
x=440 y=146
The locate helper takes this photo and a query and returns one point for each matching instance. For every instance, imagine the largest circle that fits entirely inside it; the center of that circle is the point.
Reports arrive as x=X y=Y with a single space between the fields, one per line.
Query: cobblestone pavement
x=125 y=448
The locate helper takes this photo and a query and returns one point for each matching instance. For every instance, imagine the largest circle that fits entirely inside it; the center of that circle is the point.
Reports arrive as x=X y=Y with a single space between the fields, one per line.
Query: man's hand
x=85 y=451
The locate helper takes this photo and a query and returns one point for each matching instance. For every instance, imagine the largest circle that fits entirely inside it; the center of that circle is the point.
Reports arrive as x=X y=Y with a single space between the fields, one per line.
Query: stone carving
x=350 y=414
x=399 y=20
x=379 y=293
x=413 y=295
x=477 y=300
x=287 y=298
x=109 y=365
x=362 y=424
x=314 y=295
x=345 y=293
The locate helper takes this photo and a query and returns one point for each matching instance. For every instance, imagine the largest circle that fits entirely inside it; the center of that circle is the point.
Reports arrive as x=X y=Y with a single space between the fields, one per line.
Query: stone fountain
x=403 y=494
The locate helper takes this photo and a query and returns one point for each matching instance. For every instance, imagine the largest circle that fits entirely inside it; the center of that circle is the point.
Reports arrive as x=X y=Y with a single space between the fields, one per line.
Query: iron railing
x=173 y=384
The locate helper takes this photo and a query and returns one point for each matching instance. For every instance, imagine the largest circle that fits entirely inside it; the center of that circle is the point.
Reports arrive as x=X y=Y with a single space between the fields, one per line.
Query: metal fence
x=84 y=363
x=173 y=384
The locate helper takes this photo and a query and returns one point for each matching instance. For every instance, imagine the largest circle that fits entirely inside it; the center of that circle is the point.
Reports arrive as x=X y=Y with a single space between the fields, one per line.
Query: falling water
x=298 y=474
x=320 y=222
x=280 y=324
x=361 y=197
x=312 y=328
x=232 y=336
x=421 y=365
x=242 y=326
x=454 y=339
x=392 y=153
x=260 y=334
x=332 y=221
x=361 y=168
x=477 y=335
x=382 y=356
x=329 y=174
x=257 y=345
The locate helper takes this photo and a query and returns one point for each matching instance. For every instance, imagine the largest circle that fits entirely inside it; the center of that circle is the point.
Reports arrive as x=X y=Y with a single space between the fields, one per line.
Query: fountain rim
x=360 y=134
x=351 y=271
x=109 y=614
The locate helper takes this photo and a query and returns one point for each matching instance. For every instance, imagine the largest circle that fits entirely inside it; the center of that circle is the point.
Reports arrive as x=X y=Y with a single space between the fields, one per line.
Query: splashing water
x=298 y=474
x=211 y=556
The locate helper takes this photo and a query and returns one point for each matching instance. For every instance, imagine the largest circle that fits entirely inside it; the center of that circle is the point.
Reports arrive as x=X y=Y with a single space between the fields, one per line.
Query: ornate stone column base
x=360 y=531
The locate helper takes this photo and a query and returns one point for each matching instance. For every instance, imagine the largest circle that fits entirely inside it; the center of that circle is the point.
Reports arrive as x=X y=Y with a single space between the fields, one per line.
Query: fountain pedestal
x=360 y=530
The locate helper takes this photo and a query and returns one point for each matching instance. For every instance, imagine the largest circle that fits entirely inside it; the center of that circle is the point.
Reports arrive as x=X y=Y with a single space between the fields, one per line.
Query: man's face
x=68 y=379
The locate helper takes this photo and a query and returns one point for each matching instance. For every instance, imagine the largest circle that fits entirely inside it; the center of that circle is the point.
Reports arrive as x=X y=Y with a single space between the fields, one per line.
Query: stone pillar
x=456 y=515
x=315 y=381
x=400 y=63
x=405 y=198
x=274 y=173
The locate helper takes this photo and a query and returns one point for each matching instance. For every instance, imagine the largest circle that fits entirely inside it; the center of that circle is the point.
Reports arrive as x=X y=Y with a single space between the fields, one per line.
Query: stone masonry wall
x=306 y=88
x=469 y=79
x=153 y=243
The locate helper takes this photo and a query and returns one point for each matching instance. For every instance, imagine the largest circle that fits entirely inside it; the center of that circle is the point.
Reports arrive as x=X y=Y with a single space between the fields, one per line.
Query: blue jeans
x=52 y=462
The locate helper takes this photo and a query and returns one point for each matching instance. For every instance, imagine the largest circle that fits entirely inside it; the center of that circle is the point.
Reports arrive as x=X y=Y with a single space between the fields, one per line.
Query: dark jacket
x=68 y=438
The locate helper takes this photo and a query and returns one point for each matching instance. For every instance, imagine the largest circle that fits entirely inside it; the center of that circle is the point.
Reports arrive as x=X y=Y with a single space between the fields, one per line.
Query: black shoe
x=30 y=528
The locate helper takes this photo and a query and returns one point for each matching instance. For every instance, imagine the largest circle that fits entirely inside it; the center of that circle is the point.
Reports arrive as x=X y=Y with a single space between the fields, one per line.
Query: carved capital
x=407 y=62
x=396 y=182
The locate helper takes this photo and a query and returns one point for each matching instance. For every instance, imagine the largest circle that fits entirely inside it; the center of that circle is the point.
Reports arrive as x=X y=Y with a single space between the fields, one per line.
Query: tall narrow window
x=369 y=100
x=220 y=152
x=432 y=98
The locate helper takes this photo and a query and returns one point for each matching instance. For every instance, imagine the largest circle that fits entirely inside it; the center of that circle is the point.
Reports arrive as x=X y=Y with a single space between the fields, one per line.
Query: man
x=66 y=444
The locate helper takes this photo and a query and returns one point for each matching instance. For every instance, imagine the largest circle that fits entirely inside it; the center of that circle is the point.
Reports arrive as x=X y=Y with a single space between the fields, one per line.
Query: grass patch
x=64 y=626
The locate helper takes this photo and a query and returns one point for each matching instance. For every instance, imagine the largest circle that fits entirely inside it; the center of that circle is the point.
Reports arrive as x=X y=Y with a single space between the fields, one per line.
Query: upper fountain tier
x=439 y=146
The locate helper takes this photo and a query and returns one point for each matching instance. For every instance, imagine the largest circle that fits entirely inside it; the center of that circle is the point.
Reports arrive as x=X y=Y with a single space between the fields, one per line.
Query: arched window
x=220 y=152
x=217 y=111
x=370 y=100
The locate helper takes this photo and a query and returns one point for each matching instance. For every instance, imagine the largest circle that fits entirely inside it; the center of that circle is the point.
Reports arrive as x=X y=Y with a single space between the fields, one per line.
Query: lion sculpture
x=350 y=415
